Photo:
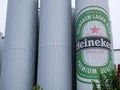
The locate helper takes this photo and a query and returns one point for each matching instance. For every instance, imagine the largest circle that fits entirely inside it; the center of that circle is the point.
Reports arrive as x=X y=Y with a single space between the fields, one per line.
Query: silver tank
x=18 y=63
x=54 y=63
x=94 y=48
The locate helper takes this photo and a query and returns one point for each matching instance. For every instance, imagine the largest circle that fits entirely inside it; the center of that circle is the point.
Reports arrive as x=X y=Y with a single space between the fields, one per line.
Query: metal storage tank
x=54 y=63
x=18 y=63
x=94 y=48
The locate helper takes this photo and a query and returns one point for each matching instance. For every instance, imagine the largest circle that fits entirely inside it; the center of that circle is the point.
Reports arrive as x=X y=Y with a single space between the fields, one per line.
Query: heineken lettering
x=93 y=42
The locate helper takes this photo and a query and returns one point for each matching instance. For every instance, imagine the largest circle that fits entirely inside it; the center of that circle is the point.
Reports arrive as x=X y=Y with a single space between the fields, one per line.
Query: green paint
x=93 y=14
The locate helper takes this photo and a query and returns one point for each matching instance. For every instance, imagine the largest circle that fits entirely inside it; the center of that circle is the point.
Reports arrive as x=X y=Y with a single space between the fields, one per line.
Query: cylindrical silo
x=54 y=63
x=93 y=41
x=18 y=63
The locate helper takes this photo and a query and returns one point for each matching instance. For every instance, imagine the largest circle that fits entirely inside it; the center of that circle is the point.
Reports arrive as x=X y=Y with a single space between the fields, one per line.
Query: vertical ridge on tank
x=73 y=51
x=18 y=63
x=93 y=41
x=54 y=64
x=1 y=50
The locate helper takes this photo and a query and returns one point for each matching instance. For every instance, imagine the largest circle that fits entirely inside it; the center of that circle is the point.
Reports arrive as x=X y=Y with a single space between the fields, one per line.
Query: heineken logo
x=93 y=43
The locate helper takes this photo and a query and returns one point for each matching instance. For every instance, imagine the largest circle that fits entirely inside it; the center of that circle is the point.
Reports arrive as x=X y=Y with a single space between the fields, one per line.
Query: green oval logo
x=93 y=43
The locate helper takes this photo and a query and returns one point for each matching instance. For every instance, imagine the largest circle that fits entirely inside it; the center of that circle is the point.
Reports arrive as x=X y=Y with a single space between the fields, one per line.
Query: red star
x=94 y=29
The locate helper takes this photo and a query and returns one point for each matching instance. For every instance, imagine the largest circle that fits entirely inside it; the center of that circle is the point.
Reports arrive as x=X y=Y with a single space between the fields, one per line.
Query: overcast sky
x=3 y=6
x=114 y=13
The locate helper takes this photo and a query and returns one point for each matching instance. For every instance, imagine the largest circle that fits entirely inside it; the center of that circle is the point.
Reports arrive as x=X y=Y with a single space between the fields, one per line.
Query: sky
x=3 y=7
x=114 y=13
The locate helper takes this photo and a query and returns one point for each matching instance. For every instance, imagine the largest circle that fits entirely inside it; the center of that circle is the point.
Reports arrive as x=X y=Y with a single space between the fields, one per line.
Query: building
x=117 y=56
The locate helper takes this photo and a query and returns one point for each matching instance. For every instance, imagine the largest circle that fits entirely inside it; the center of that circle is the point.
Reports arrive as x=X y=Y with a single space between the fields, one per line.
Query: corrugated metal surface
x=18 y=62
x=21 y=24
x=54 y=69
x=54 y=64
x=18 y=66
x=55 y=23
